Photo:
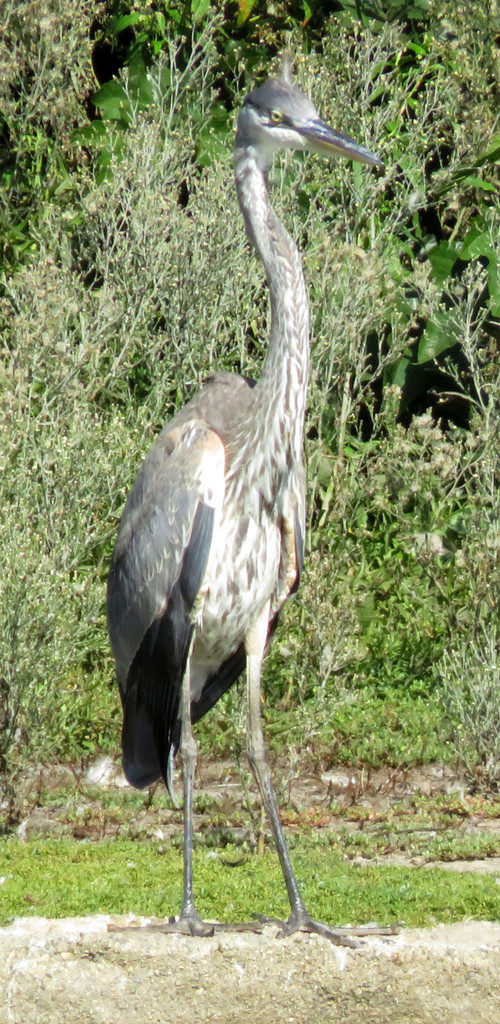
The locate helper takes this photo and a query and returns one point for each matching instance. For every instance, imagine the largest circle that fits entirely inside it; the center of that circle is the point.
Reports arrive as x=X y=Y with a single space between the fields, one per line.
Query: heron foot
x=341 y=936
x=192 y=925
x=187 y=924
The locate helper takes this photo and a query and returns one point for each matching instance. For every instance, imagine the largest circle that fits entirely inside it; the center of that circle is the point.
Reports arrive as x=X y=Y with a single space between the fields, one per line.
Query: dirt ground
x=77 y=971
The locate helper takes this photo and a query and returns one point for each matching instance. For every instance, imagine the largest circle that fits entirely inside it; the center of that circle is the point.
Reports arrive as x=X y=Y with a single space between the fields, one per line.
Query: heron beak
x=320 y=138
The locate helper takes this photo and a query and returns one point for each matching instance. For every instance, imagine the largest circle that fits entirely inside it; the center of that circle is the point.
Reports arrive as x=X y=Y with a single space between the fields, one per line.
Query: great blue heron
x=211 y=540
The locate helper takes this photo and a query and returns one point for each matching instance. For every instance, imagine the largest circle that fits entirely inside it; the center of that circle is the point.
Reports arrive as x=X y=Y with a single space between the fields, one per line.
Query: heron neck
x=280 y=394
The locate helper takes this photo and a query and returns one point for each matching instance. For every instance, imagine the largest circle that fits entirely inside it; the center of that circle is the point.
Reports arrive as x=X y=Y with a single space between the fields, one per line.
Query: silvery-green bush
x=135 y=287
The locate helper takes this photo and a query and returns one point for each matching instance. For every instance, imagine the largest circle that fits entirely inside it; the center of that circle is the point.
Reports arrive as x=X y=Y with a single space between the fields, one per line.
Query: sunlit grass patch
x=67 y=878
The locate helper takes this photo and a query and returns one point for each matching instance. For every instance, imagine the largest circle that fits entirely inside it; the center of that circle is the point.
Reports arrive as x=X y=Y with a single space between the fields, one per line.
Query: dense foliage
x=120 y=286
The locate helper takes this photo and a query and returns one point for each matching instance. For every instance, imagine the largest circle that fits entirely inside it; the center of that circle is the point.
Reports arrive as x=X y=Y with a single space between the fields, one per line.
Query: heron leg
x=189 y=753
x=299 y=919
x=255 y=646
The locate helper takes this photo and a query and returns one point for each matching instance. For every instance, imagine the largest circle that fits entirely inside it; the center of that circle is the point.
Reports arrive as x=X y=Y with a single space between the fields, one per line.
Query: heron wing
x=157 y=569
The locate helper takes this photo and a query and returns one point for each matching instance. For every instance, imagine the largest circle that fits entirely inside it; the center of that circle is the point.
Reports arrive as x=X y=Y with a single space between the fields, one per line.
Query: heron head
x=277 y=116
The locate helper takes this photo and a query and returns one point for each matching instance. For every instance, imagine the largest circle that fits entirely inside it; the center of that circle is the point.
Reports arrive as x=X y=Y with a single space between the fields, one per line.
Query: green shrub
x=121 y=287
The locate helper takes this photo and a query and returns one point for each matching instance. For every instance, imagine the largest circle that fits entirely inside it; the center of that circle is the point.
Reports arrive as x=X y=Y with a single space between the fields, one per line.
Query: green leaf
x=476 y=182
x=324 y=471
x=125 y=21
x=476 y=243
x=113 y=102
x=492 y=153
x=199 y=9
x=419 y=50
x=437 y=338
x=494 y=287
x=395 y=374
x=245 y=8
x=366 y=612
x=442 y=258
x=91 y=133
x=379 y=90
x=139 y=85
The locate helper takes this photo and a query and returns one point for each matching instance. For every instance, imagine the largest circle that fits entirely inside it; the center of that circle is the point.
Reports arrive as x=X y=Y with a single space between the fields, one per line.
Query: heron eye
x=275 y=116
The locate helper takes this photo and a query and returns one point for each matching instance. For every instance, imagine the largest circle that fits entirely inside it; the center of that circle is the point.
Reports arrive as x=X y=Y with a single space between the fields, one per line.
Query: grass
x=420 y=843
x=66 y=878
x=108 y=857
